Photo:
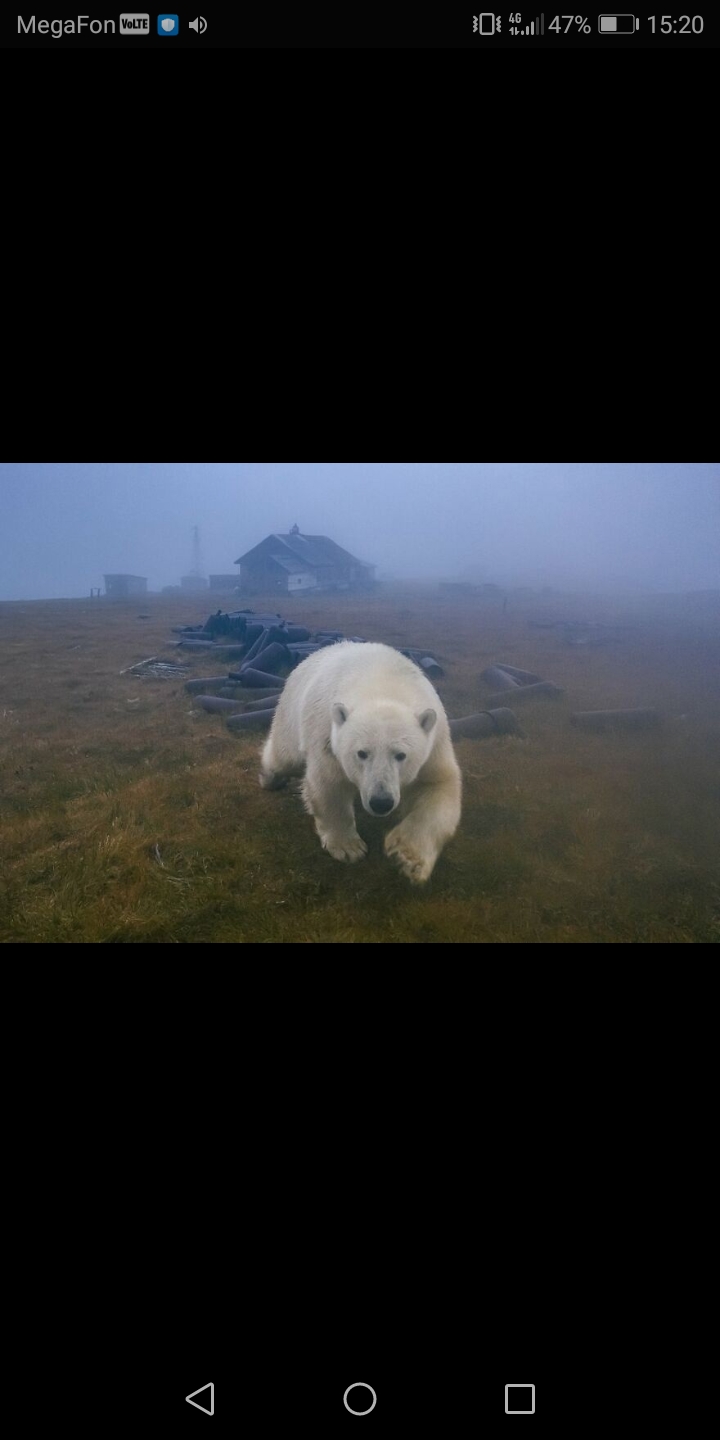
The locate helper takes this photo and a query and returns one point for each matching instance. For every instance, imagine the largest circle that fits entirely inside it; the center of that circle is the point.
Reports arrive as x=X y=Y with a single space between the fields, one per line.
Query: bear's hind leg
x=276 y=767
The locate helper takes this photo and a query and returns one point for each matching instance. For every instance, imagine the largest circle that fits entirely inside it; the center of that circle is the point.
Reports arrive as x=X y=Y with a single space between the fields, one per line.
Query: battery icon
x=616 y=24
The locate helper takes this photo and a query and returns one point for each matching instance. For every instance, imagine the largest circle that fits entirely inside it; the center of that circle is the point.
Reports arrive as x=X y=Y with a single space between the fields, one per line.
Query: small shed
x=119 y=586
x=223 y=582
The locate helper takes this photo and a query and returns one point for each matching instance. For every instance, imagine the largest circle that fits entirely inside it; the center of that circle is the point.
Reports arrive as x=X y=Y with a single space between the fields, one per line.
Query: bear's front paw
x=413 y=859
x=272 y=780
x=349 y=848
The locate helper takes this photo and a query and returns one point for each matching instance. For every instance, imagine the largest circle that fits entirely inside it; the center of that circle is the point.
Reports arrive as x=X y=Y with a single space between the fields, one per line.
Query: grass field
x=131 y=816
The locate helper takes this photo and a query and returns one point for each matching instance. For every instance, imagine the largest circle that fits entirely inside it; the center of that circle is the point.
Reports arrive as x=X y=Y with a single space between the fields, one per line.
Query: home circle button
x=361 y=1404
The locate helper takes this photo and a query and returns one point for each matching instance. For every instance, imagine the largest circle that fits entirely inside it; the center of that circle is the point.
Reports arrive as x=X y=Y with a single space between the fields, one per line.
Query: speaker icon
x=200 y=25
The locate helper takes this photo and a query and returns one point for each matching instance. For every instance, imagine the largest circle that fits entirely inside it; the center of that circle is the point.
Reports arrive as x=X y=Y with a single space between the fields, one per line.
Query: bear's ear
x=427 y=720
x=340 y=714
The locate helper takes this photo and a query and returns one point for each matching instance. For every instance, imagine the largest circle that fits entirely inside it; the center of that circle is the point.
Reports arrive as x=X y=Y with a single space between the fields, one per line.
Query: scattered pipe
x=253 y=631
x=253 y=720
x=216 y=705
x=487 y=722
x=271 y=657
x=525 y=692
x=261 y=697
x=200 y=687
x=495 y=676
x=257 y=679
x=525 y=675
x=266 y=702
x=274 y=634
x=255 y=647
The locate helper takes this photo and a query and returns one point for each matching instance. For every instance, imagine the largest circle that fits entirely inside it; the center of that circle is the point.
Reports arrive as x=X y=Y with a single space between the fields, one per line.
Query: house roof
x=288 y=563
x=310 y=550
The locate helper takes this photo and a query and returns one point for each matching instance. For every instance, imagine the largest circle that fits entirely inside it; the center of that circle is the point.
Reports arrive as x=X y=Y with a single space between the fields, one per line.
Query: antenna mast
x=196 y=551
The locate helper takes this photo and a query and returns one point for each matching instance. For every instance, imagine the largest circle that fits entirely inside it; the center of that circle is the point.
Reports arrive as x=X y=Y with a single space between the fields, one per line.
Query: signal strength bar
x=536 y=27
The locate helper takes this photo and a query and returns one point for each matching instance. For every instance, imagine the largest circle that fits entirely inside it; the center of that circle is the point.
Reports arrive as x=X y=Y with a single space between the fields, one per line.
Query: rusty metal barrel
x=252 y=720
x=642 y=719
x=499 y=721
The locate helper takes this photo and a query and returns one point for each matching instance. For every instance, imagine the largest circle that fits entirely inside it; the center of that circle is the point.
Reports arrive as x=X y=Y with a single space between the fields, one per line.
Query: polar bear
x=362 y=718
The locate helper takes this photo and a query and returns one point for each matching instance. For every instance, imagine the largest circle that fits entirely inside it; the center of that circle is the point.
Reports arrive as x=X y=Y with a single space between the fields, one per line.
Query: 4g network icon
x=486 y=24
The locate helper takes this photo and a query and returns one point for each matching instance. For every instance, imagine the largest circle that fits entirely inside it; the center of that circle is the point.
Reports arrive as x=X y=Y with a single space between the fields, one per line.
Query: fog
x=593 y=527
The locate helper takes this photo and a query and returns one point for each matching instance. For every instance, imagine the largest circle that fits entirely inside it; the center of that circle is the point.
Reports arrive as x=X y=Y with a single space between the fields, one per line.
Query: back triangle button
x=208 y=1408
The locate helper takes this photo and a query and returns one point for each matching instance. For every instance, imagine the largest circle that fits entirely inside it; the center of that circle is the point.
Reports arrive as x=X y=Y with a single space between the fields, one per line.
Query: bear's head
x=381 y=747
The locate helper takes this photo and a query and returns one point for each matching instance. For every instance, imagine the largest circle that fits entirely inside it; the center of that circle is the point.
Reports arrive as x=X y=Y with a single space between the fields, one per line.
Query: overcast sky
x=580 y=526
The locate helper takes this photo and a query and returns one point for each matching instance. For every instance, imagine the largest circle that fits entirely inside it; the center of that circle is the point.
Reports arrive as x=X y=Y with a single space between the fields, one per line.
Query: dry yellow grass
x=130 y=816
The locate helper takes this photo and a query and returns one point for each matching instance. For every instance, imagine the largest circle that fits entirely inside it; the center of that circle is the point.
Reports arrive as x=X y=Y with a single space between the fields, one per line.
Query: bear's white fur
x=345 y=717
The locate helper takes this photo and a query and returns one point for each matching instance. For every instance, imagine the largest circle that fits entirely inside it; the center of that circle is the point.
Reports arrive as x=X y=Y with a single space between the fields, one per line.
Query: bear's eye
x=362 y=754
x=401 y=756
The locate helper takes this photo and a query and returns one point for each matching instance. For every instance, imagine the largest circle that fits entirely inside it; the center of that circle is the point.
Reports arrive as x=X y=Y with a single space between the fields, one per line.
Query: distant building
x=298 y=562
x=223 y=582
x=193 y=582
x=120 y=585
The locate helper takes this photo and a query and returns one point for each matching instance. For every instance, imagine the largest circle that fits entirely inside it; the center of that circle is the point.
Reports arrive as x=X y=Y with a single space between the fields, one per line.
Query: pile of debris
x=265 y=646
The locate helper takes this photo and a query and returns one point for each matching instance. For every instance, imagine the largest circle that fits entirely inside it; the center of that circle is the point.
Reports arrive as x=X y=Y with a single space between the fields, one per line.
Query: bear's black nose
x=381 y=804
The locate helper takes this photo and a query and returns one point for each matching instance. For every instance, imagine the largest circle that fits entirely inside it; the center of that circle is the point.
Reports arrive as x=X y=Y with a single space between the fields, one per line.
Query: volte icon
x=208 y=1399
x=200 y=25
